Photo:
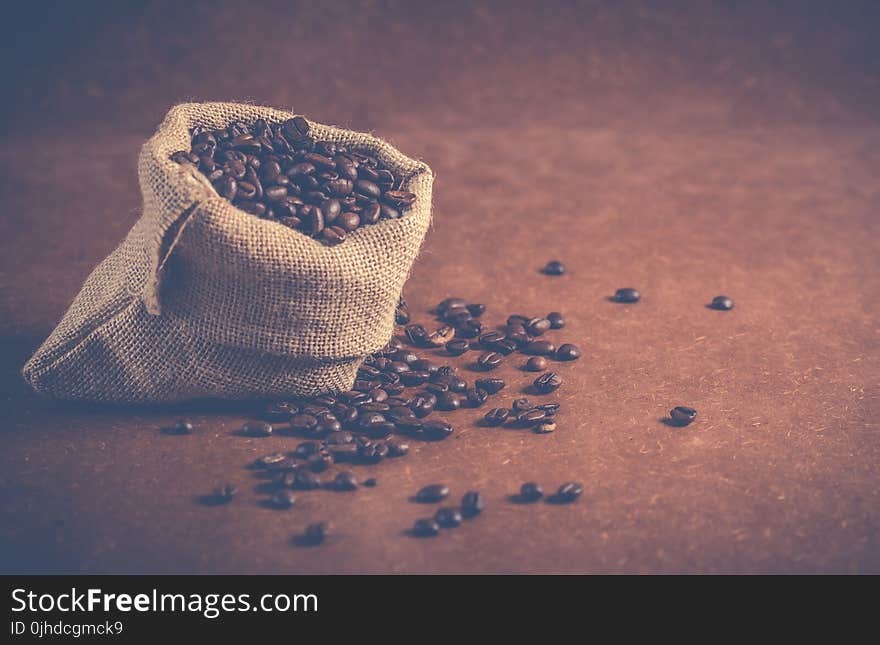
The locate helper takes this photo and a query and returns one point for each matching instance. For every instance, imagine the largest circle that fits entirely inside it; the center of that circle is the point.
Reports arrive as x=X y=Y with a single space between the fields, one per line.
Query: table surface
x=690 y=151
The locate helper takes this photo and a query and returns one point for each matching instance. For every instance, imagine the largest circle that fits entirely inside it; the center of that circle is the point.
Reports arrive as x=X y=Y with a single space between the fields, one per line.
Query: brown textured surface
x=689 y=152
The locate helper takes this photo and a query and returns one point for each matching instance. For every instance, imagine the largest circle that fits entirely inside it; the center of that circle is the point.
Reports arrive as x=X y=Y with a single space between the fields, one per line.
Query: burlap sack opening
x=202 y=300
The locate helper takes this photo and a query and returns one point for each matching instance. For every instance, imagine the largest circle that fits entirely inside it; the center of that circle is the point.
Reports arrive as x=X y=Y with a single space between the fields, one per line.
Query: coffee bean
x=549 y=408
x=425 y=364
x=538 y=326
x=181 y=426
x=496 y=416
x=343 y=452
x=303 y=422
x=469 y=329
x=540 y=348
x=306 y=449
x=316 y=533
x=490 y=360
x=373 y=453
x=491 y=385
x=441 y=336
x=345 y=481
x=476 y=310
x=536 y=364
x=448 y=517
x=414 y=378
x=257 y=429
x=284 y=465
x=556 y=320
x=722 y=303
x=397 y=448
x=505 y=346
x=476 y=396
x=436 y=430
x=305 y=480
x=432 y=493
x=278 y=412
x=399 y=198
x=531 y=417
x=554 y=267
x=627 y=295
x=320 y=461
x=425 y=528
x=682 y=415
x=457 y=347
x=568 y=492
x=283 y=498
x=457 y=384
x=448 y=401
x=423 y=404
x=545 y=427
x=568 y=352
x=521 y=405
x=548 y=382
x=417 y=334
x=530 y=492
x=371 y=482
x=472 y=504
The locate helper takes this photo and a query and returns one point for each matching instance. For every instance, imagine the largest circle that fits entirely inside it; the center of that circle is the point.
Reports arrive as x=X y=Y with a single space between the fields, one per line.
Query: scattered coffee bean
x=490 y=360
x=549 y=408
x=682 y=415
x=303 y=423
x=437 y=430
x=536 y=364
x=320 y=461
x=448 y=401
x=371 y=482
x=448 y=517
x=547 y=382
x=432 y=493
x=540 y=348
x=530 y=492
x=476 y=397
x=316 y=533
x=257 y=429
x=425 y=528
x=568 y=352
x=283 y=498
x=545 y=427
x=554 y=267
x=531 y=417
x=458 y=346
x=568 y=492
x=441 y=336
x=345 y=481
x=496 y=416
x=627 y=295
x=538 y=326
x=417 y=335
x=722 y=303
x=472 y=504
x=556 y=320
x=306 y=449
x=305 y=480
x=521 y=405
x=397 y=448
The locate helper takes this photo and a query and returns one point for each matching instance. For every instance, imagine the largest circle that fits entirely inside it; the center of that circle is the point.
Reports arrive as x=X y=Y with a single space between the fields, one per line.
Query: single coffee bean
x=569 y=492
x=556 y=320
x=371 y=482
x=548 y=382
x=536 y=364
x=427 y=365
x=373 y=453
x=457 y=347
x=682 y=415
x=306 y=449
x=627 y=295
x=316 y=533
x=448 y=401
x=257 y=429
x=414 y=378
x=540 y=348
x=397 y=448
x=505 y=346
x=517 y=320
x=423 y=404
x=530 y=492
x=283 y=498
x=496 y=416
x=554 y=267
x=469 y=329
x=320 y=461
x=531 y=417
x=399 y=198
x=432 y=493
x=457 y=384
x=343 y=452
x=490 y=385
x=305 y=480
x=303 y=422
x=425 y=527
x=472 y=504
x=521 y=405
x=490 y=338
x=441 y=336
x=538 y=326
x=568 y=352
x=545 y=427
x=722 y=303
x=549 y=408
x=476 y=397
x=448 y=517
x=417 y=334
x=181 y=426
x=345 y=481
x=436 y=430
x=490 y=360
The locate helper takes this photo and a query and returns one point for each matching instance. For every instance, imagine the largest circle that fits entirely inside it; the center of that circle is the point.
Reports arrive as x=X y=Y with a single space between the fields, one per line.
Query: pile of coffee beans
x=278 y=172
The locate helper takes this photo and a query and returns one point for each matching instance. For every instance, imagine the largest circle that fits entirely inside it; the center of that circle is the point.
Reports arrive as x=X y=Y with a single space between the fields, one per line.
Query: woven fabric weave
x=202 y=300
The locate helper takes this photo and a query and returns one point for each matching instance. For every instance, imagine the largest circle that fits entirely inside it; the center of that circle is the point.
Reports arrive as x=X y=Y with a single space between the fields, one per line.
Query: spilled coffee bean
x=682 y=415
x=432 y=494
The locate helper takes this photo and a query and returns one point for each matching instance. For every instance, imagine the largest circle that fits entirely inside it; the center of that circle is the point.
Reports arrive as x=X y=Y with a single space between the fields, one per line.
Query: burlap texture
x=204 y=300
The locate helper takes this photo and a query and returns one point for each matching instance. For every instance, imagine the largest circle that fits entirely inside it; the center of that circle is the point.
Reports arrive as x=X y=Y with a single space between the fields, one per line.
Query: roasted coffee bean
x=409 y=425
x=414 y=378
x=224 y=494
x=505 y=346
x=531 y=417
x=343 y=452
x=306 y=449
x=326 y=424
x=536 y=364
x=568 y=492
x=305 y=480
x=278 y=412
x=404 y=356
x=399 y=198
x=547 y=382
x=496 y=416
x=491 y=385
x=441 y=336
x=436 y=430
x=425 y=527
x=345 y=481
x=530 y=492
x=316 y=533
x=350 y=222
x=338 y=438
x=424 y=364
x=457 y=384
x=518 y=337
x=472 y=504
x=521 y=405
x=554 y=267
x=549 y=408
x=568 y=352
x=449 y=303
x=516 y=319
x=545 y=427
x=181 y=426
x=490 y=338
x=540 y=348
x=373 y=453
x=448 y=518
x=423 y=404
x=682 y=415
x=457 y=347
x=538 y=326
x=397 y=448
x=476 y=397
x=320 y=461
x=490 y=360
x=333 y=235
x=432 y=493
x=627 y=295
x=417 y=334
x=556 y=320
x=448 y=401
x=295 y=129
x=722 y=303
x=371 y=482
x=283 y=498
x=469 y=329
x=401 y=314
x=476 y=310
x=257 y=429
x=303 y=422
x=286 y=464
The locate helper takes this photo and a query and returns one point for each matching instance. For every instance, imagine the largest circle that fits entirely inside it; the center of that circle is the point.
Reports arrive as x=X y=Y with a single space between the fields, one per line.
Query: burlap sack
x=204 y=300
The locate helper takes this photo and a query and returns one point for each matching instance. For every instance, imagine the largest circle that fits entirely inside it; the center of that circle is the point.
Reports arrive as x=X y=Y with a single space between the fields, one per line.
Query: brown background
x=687 y=149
